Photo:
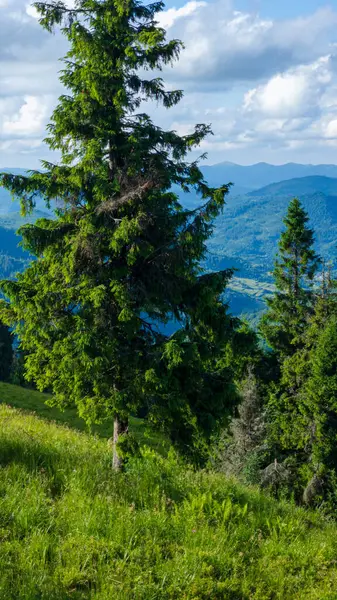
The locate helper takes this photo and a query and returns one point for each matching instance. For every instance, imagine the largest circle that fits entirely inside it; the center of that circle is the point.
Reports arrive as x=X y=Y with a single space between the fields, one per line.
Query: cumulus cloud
x=291 y=116
x=168 y=17
x=294 y=93
x=29 y=120
x=29 y=84
x=296 y=107
x=225 y=46
x=268 y=87
x=331 y=129
x=291 y=111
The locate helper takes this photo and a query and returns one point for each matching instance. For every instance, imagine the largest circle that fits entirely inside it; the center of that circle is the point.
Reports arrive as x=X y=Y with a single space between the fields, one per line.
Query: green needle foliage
x=6 y=352
x=305 y=410
x=285 y=323
x=321 y=396
x=285 y=327
x=302 y=407
x=319 y=410
x=122 y=258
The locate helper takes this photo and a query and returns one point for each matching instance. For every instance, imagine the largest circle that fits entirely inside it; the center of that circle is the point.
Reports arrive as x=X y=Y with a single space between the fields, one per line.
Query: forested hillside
x=247 y=233
x=253 y=222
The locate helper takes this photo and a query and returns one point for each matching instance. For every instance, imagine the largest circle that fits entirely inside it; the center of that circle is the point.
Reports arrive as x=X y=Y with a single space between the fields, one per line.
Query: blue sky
x=277 y=9
x=282 y=9
x=263 y=73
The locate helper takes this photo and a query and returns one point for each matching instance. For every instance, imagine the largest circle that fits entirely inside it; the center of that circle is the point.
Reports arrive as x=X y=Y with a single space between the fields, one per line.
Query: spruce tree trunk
x=120 y=427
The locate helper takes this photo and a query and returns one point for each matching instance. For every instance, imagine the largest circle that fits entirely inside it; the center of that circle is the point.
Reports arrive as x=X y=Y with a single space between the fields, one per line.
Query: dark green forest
x=135 y=302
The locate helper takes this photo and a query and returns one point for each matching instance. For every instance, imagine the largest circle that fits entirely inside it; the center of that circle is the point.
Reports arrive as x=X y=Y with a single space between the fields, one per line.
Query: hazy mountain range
x=247 y=232
x=253 y=177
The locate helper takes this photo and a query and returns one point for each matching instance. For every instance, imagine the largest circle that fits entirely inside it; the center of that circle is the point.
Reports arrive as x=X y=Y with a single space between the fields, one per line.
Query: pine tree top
x=296 y=251
x=296 y=265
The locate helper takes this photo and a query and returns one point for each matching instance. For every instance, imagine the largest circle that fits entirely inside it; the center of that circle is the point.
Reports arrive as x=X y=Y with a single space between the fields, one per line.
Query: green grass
x=71 y=529
x=252 y=287
x=33 y=401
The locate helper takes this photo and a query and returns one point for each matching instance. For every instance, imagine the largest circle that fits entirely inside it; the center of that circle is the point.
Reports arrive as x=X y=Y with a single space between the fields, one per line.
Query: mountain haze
x=299 y=185
x=262 y=174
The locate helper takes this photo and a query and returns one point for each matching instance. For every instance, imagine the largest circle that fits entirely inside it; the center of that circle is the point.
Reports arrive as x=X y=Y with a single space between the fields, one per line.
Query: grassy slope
x=71 y=529
x=34 y=401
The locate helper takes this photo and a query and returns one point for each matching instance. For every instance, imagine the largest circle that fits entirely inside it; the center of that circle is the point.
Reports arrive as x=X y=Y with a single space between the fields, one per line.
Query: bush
x=241 y=451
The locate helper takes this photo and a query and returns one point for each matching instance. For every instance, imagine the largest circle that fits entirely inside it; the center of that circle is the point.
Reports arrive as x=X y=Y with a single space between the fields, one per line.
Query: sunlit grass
x=33 y=401
x=70 y=528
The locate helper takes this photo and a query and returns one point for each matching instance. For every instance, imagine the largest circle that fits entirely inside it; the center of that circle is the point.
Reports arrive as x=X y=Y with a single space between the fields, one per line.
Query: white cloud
x=31 y=11
x=29 y=120
x=291 y=94
x=268 y=87
x=168 y=17
x=283 y=95
x=182 y=128
x=225 y=46
x=21 y=145
x=292 y=115
x=331 y=129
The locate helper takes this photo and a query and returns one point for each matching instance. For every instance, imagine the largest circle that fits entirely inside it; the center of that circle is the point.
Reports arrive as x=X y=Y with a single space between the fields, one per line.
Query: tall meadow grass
x=72 y=529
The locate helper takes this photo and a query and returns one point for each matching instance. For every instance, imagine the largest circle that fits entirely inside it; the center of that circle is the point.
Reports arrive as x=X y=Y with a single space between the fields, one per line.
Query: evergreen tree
x=321 y=397
x=313 y=371
x=318 y=407
x=284 y=325
x=296 y=369
x=17 y=376
x=18 y=371
x=242 y=448
x=297 y=403
x=6 y=352
x=325 y=305
x=243 y=352
x=122 y=257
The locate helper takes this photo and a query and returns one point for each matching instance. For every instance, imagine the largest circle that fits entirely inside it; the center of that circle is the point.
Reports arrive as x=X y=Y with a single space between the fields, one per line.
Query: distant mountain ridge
x=259 y=175
x=300 y=185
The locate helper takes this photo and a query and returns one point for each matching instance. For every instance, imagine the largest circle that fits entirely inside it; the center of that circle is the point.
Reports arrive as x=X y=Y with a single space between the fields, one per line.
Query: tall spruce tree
x=284 y=324
x=122 y=257
x=304 y=413
x=319 y=410
x=305 y=420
